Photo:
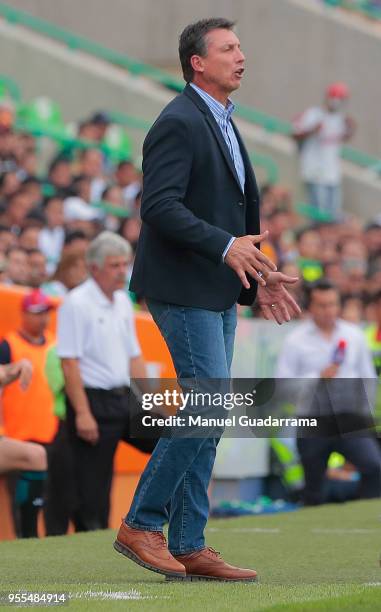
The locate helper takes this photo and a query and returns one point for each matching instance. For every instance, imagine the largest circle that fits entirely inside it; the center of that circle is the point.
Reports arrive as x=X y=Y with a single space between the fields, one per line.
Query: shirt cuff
x=227 y=248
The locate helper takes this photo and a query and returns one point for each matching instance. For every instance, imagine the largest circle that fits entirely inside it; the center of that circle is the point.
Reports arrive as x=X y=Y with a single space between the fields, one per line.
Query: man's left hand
x=275 y=301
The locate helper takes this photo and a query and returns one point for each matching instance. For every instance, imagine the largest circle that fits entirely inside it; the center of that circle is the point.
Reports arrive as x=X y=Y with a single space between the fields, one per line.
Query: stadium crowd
x=48 y=219
x=50 y=212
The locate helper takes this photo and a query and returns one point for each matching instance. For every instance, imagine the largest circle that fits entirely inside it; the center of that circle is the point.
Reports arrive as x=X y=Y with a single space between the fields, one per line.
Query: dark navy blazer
x=192 y=205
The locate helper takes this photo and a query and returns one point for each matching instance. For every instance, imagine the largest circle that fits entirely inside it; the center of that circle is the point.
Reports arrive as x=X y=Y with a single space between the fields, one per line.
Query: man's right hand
x=244 y=258
x=87 y=427
x=330 y=371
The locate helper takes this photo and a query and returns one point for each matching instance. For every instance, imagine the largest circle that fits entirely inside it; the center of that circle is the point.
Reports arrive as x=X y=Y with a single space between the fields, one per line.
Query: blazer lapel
x=223 y=146
x=191 y=93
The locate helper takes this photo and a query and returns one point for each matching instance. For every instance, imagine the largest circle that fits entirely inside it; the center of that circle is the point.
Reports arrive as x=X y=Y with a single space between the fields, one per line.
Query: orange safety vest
x=28 y=415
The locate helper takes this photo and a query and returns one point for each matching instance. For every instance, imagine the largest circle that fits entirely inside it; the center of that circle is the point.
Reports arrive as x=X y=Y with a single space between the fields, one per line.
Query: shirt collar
x=98 y=295
x=217 y=107
x=317 y=329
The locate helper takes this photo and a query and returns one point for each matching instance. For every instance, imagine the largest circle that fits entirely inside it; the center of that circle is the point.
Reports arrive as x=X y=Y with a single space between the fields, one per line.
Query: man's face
x=324 y=307
x=112 y=275
x=55 y=213
x=223 y=65
x=61 y=175
x=37 y=269
x=19 y=208
x=7 y=239
x=35 y=324
x=17 y=267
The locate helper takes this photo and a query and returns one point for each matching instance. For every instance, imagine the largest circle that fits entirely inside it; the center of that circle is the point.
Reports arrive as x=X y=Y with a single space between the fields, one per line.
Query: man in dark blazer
x=195 y=259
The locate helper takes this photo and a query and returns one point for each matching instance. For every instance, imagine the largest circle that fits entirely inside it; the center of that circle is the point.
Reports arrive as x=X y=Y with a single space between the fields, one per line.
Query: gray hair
x=107 y=244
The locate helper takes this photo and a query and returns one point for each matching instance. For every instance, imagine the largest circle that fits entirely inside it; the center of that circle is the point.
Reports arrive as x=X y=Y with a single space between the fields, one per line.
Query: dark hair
x=124 y=162
x=50 y=198
x=74 y=235
x=57 y=162
x=320 y=285
x=192 y=41
x=299 y=233
x=30 y=180
x=375 y=297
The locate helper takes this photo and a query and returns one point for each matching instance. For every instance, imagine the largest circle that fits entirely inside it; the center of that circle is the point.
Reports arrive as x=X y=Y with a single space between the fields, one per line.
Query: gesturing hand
x=244 y=258
x=275 y=301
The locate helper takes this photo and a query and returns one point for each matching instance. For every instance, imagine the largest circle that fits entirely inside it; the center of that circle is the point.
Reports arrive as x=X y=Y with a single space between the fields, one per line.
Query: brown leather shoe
x=207 y=564
x=148 y=549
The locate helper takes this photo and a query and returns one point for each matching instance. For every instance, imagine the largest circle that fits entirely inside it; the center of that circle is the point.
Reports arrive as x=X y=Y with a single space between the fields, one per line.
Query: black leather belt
x=114 y=391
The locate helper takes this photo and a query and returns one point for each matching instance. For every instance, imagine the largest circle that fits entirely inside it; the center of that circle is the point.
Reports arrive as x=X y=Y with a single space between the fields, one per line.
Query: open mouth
x=239 y=72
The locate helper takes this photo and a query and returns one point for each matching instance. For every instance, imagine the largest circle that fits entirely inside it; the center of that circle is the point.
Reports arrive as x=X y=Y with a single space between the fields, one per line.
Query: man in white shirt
x=99 y=350
x=320 y=133
x=333 y=355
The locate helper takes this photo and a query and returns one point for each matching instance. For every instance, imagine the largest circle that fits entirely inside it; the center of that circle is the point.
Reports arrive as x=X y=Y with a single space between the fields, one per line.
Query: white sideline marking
x=345 y=531
x=244 y=530
x=113 y=595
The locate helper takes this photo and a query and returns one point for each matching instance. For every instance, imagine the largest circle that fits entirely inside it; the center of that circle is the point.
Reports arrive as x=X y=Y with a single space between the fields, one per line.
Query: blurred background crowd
x=62 y=184
x=47 y=219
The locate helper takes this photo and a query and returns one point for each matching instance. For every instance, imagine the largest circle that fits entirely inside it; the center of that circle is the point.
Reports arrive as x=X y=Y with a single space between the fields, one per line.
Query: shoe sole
x=127 y=552
x=197 y=578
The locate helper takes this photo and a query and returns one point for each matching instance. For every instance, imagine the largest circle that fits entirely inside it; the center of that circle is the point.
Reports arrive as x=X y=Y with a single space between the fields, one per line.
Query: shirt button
x=240 y=203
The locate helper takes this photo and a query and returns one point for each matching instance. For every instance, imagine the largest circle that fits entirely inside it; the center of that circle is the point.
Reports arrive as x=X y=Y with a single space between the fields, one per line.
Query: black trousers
x=362 y=451
x=60 y=492
x=93 y=464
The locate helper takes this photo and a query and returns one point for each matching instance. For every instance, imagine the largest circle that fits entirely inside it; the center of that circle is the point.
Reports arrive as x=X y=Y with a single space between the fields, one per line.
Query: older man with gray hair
x=99 y=350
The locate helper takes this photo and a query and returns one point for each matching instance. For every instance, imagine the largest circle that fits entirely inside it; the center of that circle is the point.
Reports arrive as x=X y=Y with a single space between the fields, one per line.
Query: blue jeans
x=174 y=485
x=325 y=198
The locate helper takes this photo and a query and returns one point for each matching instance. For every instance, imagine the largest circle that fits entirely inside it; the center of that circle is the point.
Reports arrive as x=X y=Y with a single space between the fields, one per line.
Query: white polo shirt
x=99 y=333
x=306 y=352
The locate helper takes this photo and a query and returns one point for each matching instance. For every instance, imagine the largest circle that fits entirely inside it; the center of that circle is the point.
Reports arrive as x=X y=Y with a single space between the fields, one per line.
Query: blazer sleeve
x=167 y=167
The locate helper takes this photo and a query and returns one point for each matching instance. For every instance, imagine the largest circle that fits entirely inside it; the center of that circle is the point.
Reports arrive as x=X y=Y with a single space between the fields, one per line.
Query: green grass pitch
x=323 y=558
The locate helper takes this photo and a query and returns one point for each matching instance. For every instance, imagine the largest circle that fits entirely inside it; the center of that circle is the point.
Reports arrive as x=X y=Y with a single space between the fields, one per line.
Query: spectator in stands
x=9 y=184
x=7 y=238
x=17 y=207
x=129 y=229
x=321 y=349
x=129 y=181
x=17 y=266
x=278 y=222
x=310 y=250
x=51 y=237
x=75 y=242
x=28 y=238
x=71 y=272
x=320 y=132
x=100 y=122
x=60 y=176
x=372 y=239
x=78 y=212
x=91 y=167
x=352 y=309
x=28 y=415
x=37 y=269
x=112 y=195
x=99 y=350
x=31 y=188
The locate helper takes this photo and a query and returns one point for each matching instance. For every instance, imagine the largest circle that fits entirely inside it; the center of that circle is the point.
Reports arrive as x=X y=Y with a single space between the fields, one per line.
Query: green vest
x=374 y=345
